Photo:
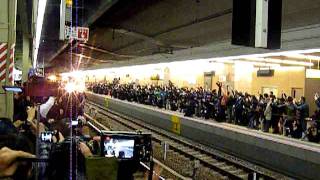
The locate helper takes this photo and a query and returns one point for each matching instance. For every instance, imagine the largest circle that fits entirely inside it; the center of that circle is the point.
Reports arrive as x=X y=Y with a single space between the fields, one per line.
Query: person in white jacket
x=45 y=108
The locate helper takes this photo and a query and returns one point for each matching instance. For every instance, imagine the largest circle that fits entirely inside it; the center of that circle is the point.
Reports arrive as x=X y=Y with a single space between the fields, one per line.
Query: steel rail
x=173 y=172
x=215 y=161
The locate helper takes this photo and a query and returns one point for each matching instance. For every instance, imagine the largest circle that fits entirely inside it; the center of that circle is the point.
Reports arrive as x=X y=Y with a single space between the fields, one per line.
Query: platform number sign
x=106 y=102
x=82 y=33
x=176 y=124
x=69 y=3
x=77 y=33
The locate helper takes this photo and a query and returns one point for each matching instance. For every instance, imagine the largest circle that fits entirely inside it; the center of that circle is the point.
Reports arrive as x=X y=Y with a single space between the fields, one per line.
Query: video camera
x=126 y=146
x=130 y=148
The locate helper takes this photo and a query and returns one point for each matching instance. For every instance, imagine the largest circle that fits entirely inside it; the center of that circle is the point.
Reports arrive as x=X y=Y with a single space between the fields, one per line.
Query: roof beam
x=102 y=8
x=147 y=38
x=196 y=21
x=140 y=36
x=22 y=10
x=94 y=59
x=106 y=51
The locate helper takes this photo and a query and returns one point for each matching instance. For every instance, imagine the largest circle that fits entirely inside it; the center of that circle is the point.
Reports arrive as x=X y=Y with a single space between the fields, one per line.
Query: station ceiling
x=149 y=31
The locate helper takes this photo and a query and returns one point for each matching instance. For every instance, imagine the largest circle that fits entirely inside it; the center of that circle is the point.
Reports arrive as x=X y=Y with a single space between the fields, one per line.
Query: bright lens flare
x=71 y=87
x=81 y=87
x=52 y=78
x=74 y=81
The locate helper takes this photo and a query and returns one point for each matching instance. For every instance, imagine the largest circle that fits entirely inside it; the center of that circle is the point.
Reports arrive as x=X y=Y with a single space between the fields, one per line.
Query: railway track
x=94 y=124
x=204 y=160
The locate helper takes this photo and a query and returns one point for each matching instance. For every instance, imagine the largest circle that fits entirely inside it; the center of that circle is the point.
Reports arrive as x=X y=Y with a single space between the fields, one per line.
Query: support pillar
x=8 y=11
x=25 y=58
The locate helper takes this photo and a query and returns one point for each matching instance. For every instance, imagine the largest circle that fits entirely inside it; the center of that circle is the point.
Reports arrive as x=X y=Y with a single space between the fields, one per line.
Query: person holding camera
x=9 y=162
x=14 y=146
x=303 y=109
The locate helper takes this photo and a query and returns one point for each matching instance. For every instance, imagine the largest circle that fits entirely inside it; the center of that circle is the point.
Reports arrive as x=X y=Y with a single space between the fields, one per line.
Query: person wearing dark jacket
x=317 y=100
x=238 y=109
x=303 y=109
x=296 y=130
x=290 y=115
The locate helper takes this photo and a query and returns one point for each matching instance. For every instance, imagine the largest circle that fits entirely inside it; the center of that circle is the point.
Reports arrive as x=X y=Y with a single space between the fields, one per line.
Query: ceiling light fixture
x=40 y=15
x=280 y=61
x=261 y=64
x=302 y=56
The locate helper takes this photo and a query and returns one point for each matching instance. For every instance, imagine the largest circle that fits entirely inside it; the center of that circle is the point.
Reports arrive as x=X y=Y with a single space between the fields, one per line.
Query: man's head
x=6 y=127
x=17 y=95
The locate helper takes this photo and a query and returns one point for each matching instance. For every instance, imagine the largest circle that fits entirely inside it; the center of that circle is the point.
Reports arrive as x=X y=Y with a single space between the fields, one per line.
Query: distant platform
x=292 y=157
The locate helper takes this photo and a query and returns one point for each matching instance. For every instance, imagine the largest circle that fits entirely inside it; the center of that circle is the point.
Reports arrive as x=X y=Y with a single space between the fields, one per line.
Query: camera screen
x=12 y=88
x=74 y=123
x=118 y=147
x=46 y=136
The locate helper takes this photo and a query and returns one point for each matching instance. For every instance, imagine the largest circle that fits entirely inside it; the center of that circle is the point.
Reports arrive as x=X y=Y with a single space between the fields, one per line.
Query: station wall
x=312 y=87
x=240 y=76
x=284 y=79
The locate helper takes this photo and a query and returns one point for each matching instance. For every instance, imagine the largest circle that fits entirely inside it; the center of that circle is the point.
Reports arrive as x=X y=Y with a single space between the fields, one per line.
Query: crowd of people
x=283 y=115
x=280 y=115
x=18 y=136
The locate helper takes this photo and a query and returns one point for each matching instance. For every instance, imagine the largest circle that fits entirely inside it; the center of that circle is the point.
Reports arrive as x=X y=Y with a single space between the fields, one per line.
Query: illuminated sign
x=312 y=73
x=265 y=72
x=69 y=3
x=78 y=33
x=82 y=33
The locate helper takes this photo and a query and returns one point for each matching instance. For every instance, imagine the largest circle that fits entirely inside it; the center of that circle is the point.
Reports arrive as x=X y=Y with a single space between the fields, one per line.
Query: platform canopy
x=126 y=32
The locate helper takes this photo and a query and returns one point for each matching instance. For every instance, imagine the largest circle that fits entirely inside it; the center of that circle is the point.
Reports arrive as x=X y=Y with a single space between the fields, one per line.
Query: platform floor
x=241 y=129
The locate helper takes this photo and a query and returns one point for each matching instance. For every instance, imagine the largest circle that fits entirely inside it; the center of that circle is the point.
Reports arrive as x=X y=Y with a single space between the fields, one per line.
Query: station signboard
x=77 y=33
x=67 y=31
x=82 y=33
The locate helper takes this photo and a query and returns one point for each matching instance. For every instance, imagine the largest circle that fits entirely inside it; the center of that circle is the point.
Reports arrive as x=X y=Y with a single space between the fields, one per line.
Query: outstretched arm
x=8 y=160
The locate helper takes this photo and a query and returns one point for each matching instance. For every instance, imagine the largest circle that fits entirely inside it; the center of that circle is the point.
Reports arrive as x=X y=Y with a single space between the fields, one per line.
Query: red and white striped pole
x=3 y=62
x=11 y=66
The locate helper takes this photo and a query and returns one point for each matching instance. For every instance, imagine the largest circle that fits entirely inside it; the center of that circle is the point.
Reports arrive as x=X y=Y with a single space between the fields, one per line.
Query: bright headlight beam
x=70 y=87
x=40 y=15
x=52 y=77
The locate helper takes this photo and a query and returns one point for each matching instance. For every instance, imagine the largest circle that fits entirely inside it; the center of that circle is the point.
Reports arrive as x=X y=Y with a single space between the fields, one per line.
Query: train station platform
x=292 y=157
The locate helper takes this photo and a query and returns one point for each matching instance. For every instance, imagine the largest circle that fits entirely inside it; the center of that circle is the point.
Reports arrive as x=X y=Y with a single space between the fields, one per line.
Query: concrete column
x=8 y=11
x=3 y=39
x=25 y=58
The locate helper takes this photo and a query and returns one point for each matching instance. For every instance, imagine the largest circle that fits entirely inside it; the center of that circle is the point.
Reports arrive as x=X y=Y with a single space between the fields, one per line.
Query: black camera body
x=64 y=158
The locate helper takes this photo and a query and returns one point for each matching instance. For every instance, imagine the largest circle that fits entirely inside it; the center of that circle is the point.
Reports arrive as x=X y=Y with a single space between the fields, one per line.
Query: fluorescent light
x=280 y=61
x=302 y=56
x=312 y=73
x=282 y=53
x=40 y=15
x=263 y=64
